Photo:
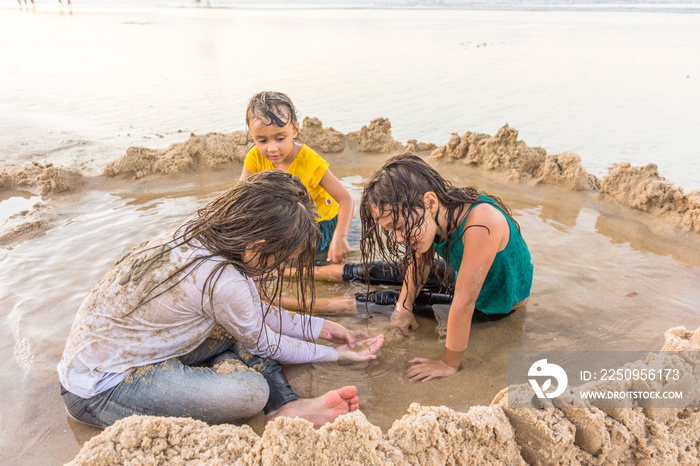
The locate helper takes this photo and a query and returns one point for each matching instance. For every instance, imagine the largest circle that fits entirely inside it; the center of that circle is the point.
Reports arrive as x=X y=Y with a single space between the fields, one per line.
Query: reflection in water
x=632 y=231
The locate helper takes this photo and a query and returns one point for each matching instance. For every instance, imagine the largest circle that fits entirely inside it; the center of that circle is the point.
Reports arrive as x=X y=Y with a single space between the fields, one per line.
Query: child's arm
x=339 y=248
x=245 y=173
x=486 y=233
x=332 y=306
x=402 y=319
x=297 y=326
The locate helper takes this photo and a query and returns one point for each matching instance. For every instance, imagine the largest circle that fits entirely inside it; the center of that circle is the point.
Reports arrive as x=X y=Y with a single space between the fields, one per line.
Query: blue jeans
x=189 y=387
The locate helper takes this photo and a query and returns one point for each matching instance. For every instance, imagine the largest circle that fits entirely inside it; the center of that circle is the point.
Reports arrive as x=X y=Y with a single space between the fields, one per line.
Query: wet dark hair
x=271 y=108
x=273 y=206
x=398 y=187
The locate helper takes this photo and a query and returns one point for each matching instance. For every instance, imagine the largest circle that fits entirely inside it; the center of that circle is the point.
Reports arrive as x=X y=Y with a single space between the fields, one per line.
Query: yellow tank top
x=309 y=167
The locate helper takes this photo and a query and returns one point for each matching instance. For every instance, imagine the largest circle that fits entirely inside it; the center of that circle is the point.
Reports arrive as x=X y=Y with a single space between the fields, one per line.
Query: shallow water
x=611 y=87
x=602 y=281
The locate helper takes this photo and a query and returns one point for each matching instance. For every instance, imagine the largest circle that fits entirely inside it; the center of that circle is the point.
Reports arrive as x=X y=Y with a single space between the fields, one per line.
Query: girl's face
x=416 y=238
x=253 y=258
x=275 y=143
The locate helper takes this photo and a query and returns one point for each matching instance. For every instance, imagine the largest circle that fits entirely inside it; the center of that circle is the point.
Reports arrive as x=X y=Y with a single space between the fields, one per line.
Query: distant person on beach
x=272 y=120
x=410 y=214
x=177 y=328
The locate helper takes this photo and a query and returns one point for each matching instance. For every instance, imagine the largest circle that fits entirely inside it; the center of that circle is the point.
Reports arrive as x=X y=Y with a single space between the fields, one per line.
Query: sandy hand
x=402 y=321
x=336 y=333
x=364 y=350
x=424 y=369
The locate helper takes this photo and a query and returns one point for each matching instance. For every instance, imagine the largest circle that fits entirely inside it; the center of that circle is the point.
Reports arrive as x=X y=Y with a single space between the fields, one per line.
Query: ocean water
x=611 y=81
x=611 y=86
x=618 y=5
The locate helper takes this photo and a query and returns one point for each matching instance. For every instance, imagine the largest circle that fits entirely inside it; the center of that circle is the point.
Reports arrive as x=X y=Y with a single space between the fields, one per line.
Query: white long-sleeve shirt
x=109 y=338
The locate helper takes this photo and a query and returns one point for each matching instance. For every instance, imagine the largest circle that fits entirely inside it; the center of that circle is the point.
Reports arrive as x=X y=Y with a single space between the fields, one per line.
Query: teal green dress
x=510 y=277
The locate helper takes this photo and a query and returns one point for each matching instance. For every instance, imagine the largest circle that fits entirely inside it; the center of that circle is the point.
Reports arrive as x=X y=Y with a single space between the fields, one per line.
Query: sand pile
x=148 y=440
x=324 y=140
x=643 y=189
x=504 y=153
x=638 y=188
x=39 y=178
x=216 y=150
x=376 y=137
x=26 y=224
x=208 y=151
x=563 y=431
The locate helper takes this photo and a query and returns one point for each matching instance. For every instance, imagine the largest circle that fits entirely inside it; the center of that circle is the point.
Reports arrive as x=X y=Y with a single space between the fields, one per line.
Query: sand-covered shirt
x=309 y=167
x=111 y=336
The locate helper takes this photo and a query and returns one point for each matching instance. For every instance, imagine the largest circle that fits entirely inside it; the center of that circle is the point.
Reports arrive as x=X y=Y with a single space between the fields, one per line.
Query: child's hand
x=428 y=369
x=338 y=250
x=402 y=321
x=336 y=333
x=364 y=350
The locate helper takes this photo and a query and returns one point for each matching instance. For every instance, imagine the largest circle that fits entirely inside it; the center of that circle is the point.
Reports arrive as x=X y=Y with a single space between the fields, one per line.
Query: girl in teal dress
x=410 y=214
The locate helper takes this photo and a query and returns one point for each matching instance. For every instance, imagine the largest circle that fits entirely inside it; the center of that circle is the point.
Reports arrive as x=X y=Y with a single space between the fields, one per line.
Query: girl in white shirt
x=142 y=340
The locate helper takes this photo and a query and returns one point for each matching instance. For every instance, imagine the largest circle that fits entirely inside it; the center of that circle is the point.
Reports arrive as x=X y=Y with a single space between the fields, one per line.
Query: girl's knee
x=248 y=398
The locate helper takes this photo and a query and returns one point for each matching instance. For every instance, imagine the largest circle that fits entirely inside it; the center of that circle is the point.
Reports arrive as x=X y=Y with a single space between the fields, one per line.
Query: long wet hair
x=271 y=108
x=273 y=206
x=398 y=188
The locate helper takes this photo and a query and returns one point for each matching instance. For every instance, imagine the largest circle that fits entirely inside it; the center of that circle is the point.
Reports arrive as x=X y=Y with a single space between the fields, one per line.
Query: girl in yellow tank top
x=272 y=121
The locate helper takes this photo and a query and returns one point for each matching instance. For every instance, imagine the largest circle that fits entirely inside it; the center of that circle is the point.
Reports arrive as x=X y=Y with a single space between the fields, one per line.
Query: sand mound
x=328 y=140
x=209 y=151
x=564 y=430
x=26 y=224
x=40 y=179
x=638 y=188
x=216 y=150
x=643 y=189
x=376 y=137
x=504 y=153
x=150 y=440
x=680 y=339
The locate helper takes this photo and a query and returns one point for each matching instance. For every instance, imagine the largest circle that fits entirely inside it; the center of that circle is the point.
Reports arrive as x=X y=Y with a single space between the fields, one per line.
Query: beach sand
x=562 y=432
x=604 y=265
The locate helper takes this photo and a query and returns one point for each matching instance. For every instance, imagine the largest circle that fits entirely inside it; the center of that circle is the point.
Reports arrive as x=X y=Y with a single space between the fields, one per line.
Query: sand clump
x=638 y=188
x=642 y=188
x=215 y=151
x=565 y=430
x=504 y=153
x=376 y=137
x=633 y=187
x=150 y=440
x=42 y=179
x=324 y=140
x=208 y=151
x=26 y=224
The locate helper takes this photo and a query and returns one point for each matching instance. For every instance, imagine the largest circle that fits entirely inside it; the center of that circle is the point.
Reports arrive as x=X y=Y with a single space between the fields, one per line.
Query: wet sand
x=607 y=276
x=561 y=431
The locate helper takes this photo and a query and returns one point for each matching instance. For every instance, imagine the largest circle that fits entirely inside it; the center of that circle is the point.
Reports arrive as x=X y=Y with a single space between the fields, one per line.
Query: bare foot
x=320 y=410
